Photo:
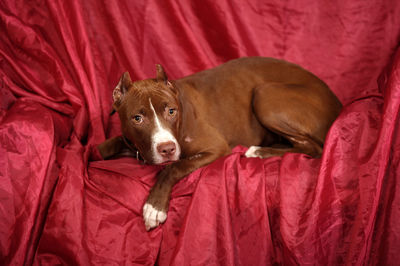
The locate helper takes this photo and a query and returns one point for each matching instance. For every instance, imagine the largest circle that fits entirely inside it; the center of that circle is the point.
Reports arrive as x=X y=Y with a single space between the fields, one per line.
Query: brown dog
x=271 y=105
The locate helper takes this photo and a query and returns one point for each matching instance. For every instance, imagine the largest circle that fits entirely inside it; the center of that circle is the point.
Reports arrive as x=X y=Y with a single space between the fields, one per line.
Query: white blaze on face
x=161 y=135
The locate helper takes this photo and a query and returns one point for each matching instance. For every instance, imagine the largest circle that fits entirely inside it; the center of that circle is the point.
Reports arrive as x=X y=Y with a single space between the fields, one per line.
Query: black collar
x=129 y=144
x=132 y=147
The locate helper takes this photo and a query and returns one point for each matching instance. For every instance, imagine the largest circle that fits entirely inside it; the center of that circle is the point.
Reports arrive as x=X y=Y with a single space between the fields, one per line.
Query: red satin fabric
x=61 y=204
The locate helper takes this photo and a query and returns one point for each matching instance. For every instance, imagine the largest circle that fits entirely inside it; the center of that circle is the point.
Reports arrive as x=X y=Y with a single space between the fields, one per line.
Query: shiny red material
x=61 y=204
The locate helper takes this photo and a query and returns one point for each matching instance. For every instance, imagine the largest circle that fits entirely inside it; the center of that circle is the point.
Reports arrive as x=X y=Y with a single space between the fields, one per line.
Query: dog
x=269 y=105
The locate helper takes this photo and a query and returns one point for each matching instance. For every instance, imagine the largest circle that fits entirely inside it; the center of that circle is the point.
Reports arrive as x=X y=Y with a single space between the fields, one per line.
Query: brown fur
x=248 y=101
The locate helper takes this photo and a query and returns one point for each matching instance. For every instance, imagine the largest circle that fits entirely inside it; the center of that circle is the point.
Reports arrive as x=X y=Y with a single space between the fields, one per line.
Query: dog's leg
x=156 y=206
x=300 y=145
x=111 y=147
x=114 y=147
x=300 y=114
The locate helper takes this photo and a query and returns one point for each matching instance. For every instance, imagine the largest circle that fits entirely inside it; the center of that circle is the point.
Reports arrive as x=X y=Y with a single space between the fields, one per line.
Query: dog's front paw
x=152 y=216
x=252 y=152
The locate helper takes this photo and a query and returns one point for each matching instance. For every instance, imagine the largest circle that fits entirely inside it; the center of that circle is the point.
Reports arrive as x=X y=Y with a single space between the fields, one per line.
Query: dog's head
x=149 y=111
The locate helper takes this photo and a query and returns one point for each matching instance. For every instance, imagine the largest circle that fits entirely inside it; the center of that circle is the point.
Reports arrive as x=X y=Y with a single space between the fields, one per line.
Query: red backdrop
x=59 y=203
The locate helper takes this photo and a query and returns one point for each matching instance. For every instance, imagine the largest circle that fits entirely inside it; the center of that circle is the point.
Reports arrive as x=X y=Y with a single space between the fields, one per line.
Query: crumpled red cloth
x=61 y=204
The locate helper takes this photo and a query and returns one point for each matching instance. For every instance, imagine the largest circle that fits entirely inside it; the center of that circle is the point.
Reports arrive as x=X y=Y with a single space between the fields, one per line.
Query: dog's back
x=225 y=94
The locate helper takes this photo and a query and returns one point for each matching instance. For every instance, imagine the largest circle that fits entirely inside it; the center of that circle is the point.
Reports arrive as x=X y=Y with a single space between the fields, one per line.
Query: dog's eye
x=172 y=111
x=137 y=119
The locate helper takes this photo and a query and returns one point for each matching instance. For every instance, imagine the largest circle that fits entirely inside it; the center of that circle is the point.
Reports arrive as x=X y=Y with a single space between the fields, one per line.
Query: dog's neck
x=188 y=114
x=133 y=148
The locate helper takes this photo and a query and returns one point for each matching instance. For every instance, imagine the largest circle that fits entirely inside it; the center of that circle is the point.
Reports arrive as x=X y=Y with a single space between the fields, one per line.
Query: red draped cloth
x=61 y=204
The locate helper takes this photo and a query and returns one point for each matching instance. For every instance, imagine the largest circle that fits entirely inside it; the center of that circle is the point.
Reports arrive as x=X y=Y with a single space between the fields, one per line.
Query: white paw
x=152 y=217
x=251 y=152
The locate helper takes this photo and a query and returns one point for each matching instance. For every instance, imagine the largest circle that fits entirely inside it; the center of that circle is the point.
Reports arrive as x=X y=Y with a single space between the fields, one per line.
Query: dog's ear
x=161 y=75
x=121 y=89
x=172 y=87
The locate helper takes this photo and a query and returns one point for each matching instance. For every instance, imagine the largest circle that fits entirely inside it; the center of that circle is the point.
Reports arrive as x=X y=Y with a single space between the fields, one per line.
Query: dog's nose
x=166 y=149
